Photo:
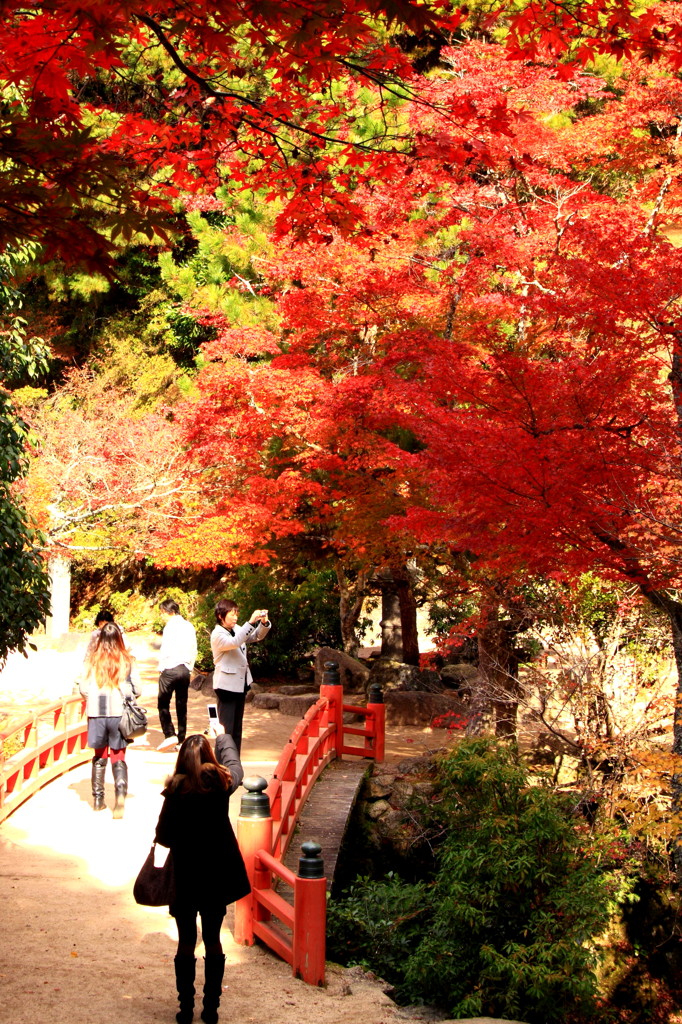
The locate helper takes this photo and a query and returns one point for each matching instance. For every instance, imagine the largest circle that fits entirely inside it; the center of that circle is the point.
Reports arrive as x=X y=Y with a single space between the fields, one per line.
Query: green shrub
x=186 y=600
x=304 y=613
x=131 y=611
x=134 y=611
x=84 y=619
x=303 y=609
x=509 y=926
x=378 y=924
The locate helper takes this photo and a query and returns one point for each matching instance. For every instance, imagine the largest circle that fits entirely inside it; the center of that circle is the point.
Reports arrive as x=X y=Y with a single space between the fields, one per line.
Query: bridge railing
x=40 y=747
x=268 y=817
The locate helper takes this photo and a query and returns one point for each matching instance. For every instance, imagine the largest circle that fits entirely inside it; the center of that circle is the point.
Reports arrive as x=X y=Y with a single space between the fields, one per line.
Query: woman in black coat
x=208 y=866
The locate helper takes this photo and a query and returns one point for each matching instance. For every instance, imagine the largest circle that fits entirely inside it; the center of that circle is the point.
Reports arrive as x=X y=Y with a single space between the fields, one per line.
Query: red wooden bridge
x=53 y=741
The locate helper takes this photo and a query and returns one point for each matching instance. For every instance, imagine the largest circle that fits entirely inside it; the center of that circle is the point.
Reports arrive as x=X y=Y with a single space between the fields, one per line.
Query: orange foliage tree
x=102 y=479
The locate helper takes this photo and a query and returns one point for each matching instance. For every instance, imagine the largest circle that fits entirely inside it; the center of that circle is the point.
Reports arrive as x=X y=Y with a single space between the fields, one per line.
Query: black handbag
x=133 y=719
x=155 y=886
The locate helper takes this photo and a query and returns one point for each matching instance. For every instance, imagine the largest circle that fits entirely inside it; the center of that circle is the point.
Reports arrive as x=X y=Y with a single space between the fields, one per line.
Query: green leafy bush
x=186 y=600
x=508 y=927
x=132 y=611
x=378 y=924
x=303 y=610
x=135 y=611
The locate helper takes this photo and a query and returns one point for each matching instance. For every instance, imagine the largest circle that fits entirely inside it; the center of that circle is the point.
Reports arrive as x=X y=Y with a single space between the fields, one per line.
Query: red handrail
x=264 y=836
x=309 y=749
x=48 y=743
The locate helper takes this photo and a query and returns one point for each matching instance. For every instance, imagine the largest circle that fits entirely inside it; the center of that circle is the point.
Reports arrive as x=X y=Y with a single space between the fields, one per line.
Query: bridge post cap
x=311 y=865
x=330 y=676
x=255 y=783
x=375 y=695
x=255 y=802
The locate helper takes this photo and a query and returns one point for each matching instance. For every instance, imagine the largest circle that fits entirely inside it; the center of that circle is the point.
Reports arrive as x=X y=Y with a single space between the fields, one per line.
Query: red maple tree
x=506 y=337
x=111 y=108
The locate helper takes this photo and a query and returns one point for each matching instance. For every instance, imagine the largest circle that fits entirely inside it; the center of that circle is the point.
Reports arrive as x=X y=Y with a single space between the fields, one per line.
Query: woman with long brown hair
x=208 y=866
x=108 y=677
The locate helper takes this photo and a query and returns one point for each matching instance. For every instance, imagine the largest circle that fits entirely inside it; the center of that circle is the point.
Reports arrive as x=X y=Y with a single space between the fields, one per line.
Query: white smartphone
x=212 y=713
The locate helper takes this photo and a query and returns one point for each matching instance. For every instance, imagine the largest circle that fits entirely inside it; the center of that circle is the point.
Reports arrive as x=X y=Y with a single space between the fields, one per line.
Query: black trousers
x=173 y=681
x=231 y=714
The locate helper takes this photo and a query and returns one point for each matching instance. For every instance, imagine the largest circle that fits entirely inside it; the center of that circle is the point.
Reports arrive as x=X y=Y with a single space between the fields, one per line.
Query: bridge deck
x=325 y=815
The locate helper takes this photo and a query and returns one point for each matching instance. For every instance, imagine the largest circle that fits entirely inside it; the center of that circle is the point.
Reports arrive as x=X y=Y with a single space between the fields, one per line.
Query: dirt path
x=74 y=946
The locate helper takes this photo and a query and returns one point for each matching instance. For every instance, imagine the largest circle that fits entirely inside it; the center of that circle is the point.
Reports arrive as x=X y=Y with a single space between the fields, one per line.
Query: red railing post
x=310 y=916
x=254 y=833
x=375 y=704
x=332 y=689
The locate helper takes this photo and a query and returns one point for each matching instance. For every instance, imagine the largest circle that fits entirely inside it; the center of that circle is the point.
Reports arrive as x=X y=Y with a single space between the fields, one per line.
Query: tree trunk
x=57 y=622
x=351 y=598
x=399 y=639
x=675 y=616
x=408 y=623
x=494 y=699
x=391 y=624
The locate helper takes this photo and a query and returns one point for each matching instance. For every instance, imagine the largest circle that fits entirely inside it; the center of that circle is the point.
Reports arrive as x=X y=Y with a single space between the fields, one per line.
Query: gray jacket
x=232 y=670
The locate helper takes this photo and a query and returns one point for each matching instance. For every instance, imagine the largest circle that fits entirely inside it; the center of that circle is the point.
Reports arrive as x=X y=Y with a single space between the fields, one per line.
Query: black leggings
x=211 y=923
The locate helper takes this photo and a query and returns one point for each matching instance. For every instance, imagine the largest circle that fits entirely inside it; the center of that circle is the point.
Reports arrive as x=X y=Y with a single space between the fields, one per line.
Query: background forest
x=319 y=302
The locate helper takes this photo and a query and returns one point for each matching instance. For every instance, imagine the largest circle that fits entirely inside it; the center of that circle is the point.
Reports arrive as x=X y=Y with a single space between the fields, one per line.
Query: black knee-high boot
x=99 y=767
x=214 y=969
x=185 y=969
x=120 y=770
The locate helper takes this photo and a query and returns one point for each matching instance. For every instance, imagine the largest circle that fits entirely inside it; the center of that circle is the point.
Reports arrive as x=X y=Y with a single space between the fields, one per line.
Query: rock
x=378 y=787
x=417 y=708
x=377 y=809
x=424 y=789
x=460 y=677
x=403 y=792
x=267 y=701
x=306 y=674
x=203 y=681
x=297 y=706
x=295 y=690
x=422 y=764
x=198 y=680
x=392 y=826
x=353 y=673
x=395 y=675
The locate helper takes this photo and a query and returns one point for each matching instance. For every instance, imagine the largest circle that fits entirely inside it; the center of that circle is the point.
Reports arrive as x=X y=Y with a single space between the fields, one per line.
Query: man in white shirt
x=176 y=660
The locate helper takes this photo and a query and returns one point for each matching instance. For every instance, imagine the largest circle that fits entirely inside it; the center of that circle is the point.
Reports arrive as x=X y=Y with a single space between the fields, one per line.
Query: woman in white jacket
x=232 y=675
x=108 y=676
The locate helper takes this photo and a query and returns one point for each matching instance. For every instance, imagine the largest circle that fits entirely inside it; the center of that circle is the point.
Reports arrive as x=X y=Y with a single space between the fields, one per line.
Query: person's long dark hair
x=196 y=769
